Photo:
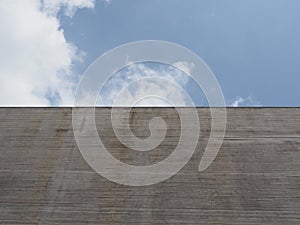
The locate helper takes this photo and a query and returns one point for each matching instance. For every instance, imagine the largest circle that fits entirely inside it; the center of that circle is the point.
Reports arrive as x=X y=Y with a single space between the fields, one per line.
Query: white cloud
x=239 y=101
x=184 y=66
x=35 y=58
x=152 y=92
x=52 y=7
x=146 y=85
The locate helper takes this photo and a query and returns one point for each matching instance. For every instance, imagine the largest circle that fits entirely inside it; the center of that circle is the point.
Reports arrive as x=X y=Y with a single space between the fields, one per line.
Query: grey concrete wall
x=255 y=178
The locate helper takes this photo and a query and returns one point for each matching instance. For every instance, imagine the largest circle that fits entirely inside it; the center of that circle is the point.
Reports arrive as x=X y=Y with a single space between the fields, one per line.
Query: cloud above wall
x=148 y=84
x=248 y=101
x=36 y=61
x=35 y=58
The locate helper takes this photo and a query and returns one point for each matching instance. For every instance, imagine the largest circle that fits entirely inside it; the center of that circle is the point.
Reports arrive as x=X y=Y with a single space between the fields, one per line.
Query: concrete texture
x=255 y=178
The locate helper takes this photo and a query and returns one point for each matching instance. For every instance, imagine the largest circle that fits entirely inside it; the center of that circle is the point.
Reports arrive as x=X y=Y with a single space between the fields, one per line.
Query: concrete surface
x=255 y=178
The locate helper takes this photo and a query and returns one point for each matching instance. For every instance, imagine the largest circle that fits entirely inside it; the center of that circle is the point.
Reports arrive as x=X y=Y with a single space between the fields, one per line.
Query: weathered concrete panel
x=255 y=178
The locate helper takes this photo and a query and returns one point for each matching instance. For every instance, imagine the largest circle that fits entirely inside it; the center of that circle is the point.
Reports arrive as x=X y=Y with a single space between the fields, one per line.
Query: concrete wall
x=255 y=178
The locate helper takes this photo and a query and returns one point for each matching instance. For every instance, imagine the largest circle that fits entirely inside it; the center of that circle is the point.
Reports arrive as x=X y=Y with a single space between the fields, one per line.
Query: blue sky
x=252 y=46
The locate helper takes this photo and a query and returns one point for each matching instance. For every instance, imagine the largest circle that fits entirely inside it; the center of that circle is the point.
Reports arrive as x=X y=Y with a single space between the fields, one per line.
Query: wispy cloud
x=69 y=7
x=185 y=66
x=146 y=84
x=248 y=101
